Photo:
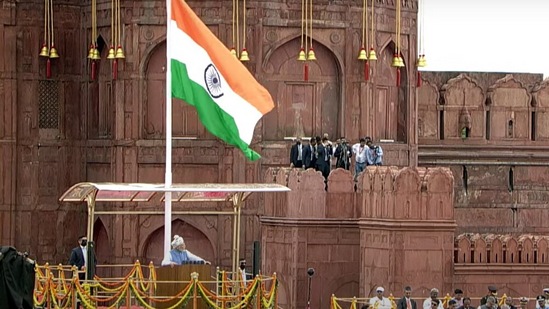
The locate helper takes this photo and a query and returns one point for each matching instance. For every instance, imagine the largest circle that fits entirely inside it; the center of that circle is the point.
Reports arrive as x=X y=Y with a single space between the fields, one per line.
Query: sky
x=486 y=35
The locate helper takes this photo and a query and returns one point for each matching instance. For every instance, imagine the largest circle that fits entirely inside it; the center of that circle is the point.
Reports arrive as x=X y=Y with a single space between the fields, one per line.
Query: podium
x=181 y=276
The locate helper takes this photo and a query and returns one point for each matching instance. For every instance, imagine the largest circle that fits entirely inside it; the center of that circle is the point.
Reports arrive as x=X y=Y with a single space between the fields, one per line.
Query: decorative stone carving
x=510 y=104
x=463 y=108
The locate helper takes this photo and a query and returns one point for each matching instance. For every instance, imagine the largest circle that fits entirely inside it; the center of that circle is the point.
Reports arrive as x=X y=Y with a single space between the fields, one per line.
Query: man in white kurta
x=434 y=295
x=379 y=301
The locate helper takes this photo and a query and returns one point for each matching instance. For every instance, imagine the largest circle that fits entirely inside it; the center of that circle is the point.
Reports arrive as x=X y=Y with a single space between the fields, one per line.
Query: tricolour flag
x=228 y=99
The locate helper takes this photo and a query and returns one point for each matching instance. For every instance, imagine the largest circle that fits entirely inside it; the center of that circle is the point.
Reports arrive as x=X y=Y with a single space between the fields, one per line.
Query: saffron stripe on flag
x=236 y=74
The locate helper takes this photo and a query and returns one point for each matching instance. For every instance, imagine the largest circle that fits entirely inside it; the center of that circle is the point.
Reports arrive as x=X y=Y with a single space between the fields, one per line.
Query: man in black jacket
x=407 y=302
x=296 y=154
x=309 y=154
x=80 y=256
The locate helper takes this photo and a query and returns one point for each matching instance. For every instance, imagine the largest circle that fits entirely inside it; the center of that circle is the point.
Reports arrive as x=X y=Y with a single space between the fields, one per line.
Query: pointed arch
x=390 y=101
x=197 y=242
x=101 y=105
x=304 y=108
x=103 y=248
x=185 y=118
x=496 y=252
x=463 y=249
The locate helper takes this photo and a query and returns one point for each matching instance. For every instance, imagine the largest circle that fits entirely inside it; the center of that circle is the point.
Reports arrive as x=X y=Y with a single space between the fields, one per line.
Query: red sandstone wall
x=397 y=228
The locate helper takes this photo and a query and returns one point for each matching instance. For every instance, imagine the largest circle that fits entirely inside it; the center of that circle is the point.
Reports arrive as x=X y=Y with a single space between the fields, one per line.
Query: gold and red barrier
x=352 y=303
x=53 y=290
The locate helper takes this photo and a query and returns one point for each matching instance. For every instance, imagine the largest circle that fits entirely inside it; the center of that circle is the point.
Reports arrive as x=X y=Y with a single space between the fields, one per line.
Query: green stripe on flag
x=215 y=119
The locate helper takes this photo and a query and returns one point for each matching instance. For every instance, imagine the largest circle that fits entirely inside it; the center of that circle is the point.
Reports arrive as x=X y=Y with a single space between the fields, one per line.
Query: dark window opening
x=465 y=178
x=465 y=132
x=510 y=129
x=487 y=124
x=533 y=129
x=441 y=125
x=511 y=180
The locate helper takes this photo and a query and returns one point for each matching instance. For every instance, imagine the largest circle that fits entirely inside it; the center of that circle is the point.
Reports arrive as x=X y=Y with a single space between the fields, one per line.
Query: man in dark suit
x=309 y=153
x=407 y=302
x=296 y=154
x=79 y=258
x=324 y=155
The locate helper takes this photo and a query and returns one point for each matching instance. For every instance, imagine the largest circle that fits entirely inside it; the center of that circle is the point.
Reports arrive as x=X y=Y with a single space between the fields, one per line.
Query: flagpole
x=168 y=175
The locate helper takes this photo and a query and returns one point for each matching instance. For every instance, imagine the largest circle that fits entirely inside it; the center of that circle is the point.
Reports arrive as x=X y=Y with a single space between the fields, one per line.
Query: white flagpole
x=168 y=176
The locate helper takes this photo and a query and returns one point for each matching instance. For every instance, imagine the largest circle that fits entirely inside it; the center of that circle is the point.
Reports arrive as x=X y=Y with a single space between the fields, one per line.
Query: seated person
x=180 y=255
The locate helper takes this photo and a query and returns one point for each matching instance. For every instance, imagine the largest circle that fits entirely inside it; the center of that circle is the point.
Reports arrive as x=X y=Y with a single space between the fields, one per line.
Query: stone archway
x=304 y=108
x=196 y=242
x=185 y=119
x=390 y=108
x=103 y=249
x=101 y=105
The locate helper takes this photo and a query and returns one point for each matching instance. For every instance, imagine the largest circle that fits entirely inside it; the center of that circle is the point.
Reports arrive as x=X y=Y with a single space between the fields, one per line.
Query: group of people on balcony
x=458 y=301
x=320 y=153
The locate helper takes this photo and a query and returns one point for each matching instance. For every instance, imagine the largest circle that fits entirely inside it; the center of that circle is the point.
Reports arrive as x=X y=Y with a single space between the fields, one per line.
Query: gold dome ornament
x=421 y=61
x=311 y=56
x=233 y=52
x=372 y=56
x=119 y=53
x=244 y=55
x=96 y=55
x=112 y=53
x=395 y=63
x=53 y=52
x=44 y=52
x=302 y=56
x=90 y=52
x=362 y=54
x=400 y=62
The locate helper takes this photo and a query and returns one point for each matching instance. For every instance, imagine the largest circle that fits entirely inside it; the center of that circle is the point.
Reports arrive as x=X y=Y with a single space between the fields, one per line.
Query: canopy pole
x=237 y=204
x=168 y=176
x=90 y=201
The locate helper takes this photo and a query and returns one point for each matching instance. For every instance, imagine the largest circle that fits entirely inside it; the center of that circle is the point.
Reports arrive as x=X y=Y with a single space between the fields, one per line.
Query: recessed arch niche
x=390 y=103
x=185 y=121
x=303 y=108
x=195 y=240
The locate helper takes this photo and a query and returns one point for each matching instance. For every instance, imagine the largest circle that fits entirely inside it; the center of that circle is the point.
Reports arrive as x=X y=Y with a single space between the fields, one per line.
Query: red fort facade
x=459 y=203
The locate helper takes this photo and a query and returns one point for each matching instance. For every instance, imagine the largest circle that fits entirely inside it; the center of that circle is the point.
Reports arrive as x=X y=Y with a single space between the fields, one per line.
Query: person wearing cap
x=379 y=301
x=180 y=255
x=407 y=302
x=458 y=297
x=541 y=302
x=524 y=302
x=492 y=291
x=427 y=304
x=546 y=294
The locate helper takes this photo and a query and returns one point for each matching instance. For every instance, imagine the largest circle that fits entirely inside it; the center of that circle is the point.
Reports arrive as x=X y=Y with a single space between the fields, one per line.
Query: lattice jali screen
x=48 y=104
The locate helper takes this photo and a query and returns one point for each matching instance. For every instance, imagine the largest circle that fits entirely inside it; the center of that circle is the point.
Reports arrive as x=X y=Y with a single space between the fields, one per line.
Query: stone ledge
x=505 y=268
x=275 y=221
x=408 y=225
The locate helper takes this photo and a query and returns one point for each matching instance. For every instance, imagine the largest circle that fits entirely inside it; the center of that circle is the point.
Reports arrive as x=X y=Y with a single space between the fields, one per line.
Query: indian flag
x=228 y=99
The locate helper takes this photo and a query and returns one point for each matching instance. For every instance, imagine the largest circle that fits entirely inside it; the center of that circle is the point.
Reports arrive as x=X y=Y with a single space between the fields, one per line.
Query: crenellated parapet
x=473 y=248
x=381 y=193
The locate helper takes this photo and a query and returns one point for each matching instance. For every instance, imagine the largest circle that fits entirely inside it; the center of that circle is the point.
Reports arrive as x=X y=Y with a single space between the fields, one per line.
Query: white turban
x=177 y=241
